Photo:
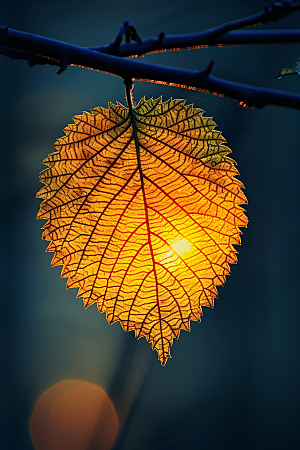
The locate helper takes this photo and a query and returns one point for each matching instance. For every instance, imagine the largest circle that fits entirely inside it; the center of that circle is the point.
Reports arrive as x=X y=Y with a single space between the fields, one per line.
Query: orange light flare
x=73 y=415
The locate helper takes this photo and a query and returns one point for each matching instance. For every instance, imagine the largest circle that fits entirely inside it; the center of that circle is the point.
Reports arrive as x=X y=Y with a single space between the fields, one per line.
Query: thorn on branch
x=160 y=37
x=131 y=34
x=4 y=30
x=114 y=46
x=205 y=72
x=63 y=66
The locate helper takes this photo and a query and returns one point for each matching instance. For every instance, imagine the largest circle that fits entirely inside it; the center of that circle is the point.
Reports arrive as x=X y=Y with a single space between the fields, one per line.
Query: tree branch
x=196 y=41
x=221 y=35
x=63 y=54
x=40 y=50
x=32 y=58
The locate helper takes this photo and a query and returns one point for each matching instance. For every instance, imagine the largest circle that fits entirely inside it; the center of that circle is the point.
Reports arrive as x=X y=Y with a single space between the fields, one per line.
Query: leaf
x=145 y=231
x=293 y=69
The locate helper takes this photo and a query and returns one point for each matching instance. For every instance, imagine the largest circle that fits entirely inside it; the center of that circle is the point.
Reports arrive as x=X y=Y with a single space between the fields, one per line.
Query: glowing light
x=73 y=415
x=181 y=246
x=177 y=249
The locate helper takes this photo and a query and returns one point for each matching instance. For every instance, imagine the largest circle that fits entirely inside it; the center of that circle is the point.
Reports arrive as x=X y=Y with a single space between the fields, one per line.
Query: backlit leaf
x=145 y=231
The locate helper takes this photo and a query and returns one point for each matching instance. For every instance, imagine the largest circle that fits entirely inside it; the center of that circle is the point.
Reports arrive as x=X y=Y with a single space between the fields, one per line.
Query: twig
x=40 y=50
x=58 y=52
x=178 y=42
x=130 y=34
x=221 y=35
x=32 y=58
x=196 y=40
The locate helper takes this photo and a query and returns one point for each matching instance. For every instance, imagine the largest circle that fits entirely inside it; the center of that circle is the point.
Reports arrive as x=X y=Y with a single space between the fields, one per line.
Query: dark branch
x=32 y=58
x=59 y=52
x=214 y=36
x=197 y=40
x=40 y=50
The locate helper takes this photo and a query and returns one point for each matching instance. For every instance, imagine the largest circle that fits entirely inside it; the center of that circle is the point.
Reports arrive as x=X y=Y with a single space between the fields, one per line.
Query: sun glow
x=181 y=246
x=175 y=253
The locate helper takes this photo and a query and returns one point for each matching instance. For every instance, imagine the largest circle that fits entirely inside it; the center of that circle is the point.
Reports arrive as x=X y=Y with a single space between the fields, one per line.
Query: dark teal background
x=233 y=382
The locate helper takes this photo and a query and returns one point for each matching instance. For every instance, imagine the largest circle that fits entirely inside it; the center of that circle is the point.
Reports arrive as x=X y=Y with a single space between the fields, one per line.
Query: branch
x=24 y=45
x=197 y=40
x=40 y=50
x=221 y=35
x=33 y=59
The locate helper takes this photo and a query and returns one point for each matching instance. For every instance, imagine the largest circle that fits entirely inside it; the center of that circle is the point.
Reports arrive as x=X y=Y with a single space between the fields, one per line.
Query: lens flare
x=73 y=415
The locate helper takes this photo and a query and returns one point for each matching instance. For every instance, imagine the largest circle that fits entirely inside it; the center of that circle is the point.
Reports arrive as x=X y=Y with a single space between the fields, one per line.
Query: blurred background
x=233 y=382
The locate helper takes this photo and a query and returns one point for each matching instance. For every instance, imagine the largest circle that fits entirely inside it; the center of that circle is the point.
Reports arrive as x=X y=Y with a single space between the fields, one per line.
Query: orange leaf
x=146 y=231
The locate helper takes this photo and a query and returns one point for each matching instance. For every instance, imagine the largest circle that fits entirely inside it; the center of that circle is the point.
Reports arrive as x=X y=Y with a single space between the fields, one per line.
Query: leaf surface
x=144 y=224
